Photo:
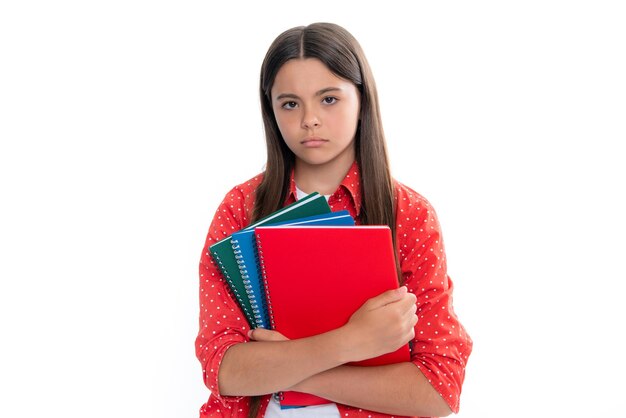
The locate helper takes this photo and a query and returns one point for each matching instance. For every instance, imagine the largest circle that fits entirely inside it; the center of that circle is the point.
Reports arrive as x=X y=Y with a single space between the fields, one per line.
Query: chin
x=315 y=161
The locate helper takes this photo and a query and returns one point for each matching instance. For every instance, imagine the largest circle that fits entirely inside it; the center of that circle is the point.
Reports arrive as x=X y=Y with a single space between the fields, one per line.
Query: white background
x=124 y=123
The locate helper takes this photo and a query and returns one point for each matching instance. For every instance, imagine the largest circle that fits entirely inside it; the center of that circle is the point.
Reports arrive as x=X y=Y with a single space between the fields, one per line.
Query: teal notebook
x=244 y=248
x=222 y=251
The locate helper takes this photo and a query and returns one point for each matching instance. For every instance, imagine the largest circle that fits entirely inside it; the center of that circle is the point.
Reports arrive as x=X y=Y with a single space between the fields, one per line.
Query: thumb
x=261 y=334
x=385 y=298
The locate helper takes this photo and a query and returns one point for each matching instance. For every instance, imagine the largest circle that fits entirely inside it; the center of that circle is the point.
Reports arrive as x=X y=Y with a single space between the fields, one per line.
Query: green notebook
x=222 y=251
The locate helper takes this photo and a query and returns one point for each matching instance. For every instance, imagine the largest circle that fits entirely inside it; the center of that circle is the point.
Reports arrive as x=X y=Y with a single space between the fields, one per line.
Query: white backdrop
x=124 y=123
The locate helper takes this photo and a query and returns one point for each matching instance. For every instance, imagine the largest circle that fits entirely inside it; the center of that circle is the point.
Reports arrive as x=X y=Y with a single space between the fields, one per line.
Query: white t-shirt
x=316 y=411
x=300 y=194
x=328 y=410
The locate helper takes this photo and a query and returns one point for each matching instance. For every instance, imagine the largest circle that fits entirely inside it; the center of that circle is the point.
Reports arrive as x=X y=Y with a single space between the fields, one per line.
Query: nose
x=310 y=120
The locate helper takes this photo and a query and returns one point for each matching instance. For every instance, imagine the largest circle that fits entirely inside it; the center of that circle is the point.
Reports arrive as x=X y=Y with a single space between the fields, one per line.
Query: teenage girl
x=324 y=134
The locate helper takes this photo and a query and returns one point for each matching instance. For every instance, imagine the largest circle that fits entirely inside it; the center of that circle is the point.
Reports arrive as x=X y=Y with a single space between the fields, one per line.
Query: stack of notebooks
x=304 y=270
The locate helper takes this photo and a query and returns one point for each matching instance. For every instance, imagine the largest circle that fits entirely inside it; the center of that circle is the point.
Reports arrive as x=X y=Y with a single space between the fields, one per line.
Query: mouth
x=313 y=141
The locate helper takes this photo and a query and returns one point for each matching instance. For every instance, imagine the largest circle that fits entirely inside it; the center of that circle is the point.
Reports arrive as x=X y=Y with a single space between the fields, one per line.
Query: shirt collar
x=351 y=184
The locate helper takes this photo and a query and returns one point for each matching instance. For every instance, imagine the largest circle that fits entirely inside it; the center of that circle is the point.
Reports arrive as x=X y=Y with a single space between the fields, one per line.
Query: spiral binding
x=241 y=263
x=231 y=286
x=270 y=312
x=262 y=286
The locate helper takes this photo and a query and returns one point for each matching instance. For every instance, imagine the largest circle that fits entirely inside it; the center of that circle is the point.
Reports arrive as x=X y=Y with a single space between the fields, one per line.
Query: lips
x=313 y=142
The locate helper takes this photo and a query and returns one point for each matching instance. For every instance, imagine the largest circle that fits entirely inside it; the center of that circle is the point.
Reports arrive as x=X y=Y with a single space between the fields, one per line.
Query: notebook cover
x=316 y=277
x=222 y=251
x=244 y=249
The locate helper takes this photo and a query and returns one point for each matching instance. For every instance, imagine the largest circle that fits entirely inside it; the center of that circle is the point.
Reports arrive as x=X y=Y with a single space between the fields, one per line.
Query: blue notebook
x=244 y=248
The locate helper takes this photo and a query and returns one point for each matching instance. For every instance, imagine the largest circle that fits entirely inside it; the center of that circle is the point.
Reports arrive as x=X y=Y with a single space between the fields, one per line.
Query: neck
x=321 y=178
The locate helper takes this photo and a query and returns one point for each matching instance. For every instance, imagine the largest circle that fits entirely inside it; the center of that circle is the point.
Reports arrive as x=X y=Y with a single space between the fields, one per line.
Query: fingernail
x=250 y=334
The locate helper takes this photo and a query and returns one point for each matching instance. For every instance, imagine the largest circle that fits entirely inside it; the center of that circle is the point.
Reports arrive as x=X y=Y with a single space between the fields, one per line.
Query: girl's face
x=317 y=113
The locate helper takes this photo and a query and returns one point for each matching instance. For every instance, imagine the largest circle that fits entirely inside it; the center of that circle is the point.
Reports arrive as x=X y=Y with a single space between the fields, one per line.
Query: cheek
x=281 y=124
x=285 y=126
x=283 y=118
x=348 y=121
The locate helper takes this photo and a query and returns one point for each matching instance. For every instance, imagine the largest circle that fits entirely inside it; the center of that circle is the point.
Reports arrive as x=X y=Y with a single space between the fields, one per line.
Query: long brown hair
x=342 y=54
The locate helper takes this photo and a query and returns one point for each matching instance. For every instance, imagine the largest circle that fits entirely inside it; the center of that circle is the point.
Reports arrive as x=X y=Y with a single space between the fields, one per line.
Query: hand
x=261 y=334
x=382 y=325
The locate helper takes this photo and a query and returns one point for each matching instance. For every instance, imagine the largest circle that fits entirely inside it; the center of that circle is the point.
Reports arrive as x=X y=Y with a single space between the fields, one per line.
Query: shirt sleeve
x=441 y=345
x=222 y=323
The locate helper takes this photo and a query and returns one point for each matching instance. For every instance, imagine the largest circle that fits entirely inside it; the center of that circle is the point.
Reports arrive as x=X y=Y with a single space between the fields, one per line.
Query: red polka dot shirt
x=441 y=346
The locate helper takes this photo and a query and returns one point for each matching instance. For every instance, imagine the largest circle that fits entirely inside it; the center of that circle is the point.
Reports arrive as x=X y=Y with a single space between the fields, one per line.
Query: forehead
x=306 y=75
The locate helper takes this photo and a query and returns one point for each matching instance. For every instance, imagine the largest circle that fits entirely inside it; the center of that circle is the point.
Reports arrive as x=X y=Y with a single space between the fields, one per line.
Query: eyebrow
x=317 y=93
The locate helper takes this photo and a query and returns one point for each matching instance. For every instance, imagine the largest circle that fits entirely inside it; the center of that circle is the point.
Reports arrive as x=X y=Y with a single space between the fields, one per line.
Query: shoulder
x=408 y=200
x=239 y=201
x=416 y=219
x=248 y=188
x=418 y=232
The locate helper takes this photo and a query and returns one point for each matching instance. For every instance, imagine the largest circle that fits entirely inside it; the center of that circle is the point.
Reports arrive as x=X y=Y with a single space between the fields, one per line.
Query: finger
x=410 y=314
x=260 y=334
x=410 y=319
x=408 y=302
x=387 y=297
x=411 y=334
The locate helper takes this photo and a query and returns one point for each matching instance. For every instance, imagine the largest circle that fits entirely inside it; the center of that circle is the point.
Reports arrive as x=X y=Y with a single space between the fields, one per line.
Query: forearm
x=262 y=367
x=271 y=364
x=398 y=389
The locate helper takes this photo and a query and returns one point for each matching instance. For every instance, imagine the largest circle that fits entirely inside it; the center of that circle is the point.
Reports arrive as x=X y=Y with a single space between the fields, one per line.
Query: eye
x=289 y=105
x=329 y=100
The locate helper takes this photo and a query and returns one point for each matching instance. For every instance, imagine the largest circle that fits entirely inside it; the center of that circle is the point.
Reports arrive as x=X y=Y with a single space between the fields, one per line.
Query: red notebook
x=316 y=277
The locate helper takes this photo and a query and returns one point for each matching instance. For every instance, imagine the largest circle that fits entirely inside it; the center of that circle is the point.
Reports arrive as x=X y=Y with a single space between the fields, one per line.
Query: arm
x=431 y=384
x=233 y=366
x=397 y=389
x=221 y=322
x=267 y=365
